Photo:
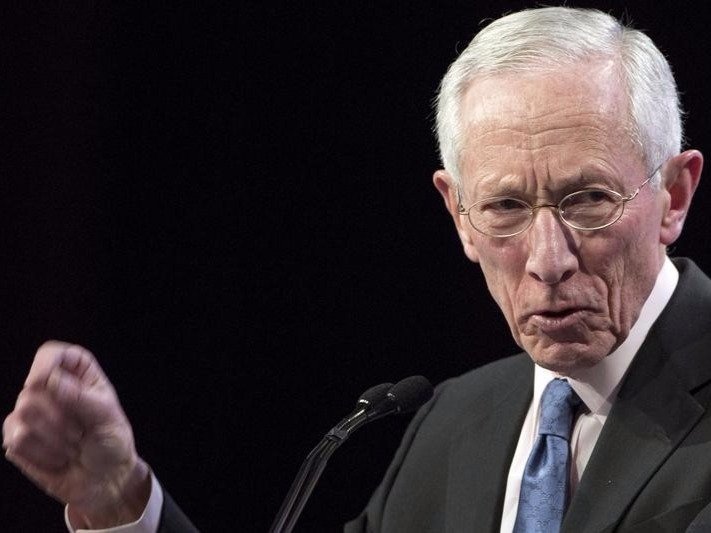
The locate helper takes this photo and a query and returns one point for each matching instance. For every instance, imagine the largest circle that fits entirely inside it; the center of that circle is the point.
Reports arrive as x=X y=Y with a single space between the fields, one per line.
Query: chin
x=566 y=360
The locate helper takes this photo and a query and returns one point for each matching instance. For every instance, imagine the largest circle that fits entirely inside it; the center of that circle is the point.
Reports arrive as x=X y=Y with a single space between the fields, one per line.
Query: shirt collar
x=597 y=385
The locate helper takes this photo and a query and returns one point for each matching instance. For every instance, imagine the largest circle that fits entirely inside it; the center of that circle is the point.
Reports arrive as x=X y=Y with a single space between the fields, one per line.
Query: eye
x=591 y=208
x=503 y=205
x=590 y=197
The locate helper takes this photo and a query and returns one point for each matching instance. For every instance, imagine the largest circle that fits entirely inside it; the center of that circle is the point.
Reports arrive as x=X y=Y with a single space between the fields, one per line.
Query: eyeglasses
x=585 y=210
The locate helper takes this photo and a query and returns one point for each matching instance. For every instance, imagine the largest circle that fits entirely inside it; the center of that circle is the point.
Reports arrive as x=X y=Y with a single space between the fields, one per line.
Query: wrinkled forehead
x=538 y=100
x=556 y=117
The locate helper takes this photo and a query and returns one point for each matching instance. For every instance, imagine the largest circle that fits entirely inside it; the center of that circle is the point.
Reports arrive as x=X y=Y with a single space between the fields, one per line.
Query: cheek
x=622 y=268
x=504 y=269
x=605 y=277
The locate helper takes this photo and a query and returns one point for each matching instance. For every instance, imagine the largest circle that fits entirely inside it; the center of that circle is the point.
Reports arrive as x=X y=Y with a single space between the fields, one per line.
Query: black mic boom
x=376 y=402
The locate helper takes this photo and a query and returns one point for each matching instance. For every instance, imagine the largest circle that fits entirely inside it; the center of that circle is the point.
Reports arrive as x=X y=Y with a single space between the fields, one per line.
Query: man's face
x=570 y=297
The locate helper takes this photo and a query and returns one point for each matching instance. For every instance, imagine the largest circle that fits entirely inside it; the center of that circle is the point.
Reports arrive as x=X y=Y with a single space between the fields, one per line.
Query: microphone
x=407 y=395
x=367 y=402
x=375 y=403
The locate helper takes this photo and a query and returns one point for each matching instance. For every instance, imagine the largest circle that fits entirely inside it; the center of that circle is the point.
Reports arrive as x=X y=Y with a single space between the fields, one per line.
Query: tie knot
x=558 y=406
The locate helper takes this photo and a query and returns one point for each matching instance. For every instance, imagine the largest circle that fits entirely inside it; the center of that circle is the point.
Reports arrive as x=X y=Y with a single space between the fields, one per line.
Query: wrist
x=121 y=503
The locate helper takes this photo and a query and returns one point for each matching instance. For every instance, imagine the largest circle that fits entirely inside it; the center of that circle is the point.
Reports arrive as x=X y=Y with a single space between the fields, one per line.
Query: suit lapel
x=479 y=454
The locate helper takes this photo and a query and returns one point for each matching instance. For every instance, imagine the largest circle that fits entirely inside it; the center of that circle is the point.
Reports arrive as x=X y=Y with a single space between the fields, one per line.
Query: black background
x=231 y=205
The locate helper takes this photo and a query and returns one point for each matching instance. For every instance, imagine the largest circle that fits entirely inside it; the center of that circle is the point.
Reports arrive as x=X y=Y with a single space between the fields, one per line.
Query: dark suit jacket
x=650 y=470
x=172 y=519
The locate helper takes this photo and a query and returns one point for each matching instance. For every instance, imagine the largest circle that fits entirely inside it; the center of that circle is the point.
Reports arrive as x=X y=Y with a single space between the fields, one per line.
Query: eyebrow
x=510 y=185
x=585 y=180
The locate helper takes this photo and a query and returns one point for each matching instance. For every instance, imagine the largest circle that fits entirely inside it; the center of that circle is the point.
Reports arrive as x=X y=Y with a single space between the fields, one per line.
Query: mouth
x=555 y=321
x=558 y=314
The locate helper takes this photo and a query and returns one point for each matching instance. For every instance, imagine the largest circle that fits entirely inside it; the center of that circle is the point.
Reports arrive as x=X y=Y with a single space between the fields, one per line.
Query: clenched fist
x=69 y=434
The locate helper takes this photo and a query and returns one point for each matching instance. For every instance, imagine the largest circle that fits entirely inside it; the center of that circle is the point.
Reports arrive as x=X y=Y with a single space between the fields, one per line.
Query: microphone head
x=375 y=394
x=410 y=393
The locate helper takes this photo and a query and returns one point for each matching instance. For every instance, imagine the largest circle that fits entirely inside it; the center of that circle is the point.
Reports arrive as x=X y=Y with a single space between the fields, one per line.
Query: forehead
x=545 y=124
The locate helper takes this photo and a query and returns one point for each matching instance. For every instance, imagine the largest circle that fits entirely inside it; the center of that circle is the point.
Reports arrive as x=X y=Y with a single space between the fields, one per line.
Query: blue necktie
x=544 y=488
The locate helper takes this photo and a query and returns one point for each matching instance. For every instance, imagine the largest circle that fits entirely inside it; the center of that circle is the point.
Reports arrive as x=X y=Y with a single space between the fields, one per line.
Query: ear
x=681 y=177
x=445 y=184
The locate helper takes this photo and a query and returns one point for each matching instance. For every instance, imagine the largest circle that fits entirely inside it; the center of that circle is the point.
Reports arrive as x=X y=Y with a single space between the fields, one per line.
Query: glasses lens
x=591 y=208
x=500 y=217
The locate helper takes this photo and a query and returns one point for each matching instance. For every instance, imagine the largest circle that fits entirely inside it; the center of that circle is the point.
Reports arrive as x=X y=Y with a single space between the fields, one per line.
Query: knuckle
x=50 y=348
x=27 y=410
x=80 y=350
x=19 y=436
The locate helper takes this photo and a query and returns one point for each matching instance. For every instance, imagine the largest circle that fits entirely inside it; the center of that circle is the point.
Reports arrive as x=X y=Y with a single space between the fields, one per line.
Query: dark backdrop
x=231 y=205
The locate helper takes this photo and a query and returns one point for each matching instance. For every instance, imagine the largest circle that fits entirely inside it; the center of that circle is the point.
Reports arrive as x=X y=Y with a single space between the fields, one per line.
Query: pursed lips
x=551 y=319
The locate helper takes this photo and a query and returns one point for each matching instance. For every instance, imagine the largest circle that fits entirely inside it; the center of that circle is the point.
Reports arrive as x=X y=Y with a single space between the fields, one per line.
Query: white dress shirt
x=597 y=387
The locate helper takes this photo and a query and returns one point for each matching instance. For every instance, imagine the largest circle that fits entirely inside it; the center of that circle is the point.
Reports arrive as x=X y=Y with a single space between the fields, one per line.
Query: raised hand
x=69 y=434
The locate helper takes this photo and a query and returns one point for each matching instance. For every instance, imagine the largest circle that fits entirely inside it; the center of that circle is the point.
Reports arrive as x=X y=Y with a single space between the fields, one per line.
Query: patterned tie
x=544 y=488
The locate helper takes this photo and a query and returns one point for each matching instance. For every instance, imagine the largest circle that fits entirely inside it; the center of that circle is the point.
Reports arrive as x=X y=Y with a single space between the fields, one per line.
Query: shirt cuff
x=147 y=523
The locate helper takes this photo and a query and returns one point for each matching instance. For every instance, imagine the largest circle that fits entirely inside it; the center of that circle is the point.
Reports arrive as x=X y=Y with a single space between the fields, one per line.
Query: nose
x=552 y=256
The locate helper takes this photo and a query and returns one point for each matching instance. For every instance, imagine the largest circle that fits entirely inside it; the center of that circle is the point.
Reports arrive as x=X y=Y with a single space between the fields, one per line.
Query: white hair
x=554 y=37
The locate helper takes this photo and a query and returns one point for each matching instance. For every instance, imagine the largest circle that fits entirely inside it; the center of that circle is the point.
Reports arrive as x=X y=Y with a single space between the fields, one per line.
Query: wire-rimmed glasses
x=588 y=209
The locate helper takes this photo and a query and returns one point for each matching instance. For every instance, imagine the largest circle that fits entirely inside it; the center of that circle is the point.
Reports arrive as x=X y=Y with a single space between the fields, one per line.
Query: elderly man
x=560 y=135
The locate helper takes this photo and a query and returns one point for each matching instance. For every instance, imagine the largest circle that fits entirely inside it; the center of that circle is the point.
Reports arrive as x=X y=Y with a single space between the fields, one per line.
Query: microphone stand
x=311 y=470
x=377 y=402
